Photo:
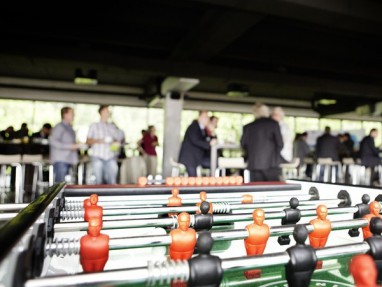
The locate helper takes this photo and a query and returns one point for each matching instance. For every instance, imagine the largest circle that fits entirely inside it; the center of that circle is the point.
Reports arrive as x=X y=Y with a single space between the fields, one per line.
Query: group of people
x=10 y=134
x=103 y=137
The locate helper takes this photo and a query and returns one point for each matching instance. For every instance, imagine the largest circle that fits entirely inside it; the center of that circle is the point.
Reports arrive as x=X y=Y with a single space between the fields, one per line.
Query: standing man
x=104 y=137
x=150 y=142
x=262 y=143
x=287 y=151
x=369 y=154
x=328 y=145
x=195 y=145
x=63 y=147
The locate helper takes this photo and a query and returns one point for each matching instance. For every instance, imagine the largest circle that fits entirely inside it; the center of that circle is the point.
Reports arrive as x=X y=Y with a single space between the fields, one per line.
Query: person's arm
x=278 y=138
x=197 y=139
x=56 y=139
x=91 y=136
x=155 y=142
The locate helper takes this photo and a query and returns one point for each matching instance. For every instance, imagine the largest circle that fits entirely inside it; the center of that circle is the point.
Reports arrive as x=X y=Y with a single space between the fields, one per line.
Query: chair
x=14 y=161
x=36 y=161
x=177 y=168
x=290 y=169
x=326 y=169
x=225 y=163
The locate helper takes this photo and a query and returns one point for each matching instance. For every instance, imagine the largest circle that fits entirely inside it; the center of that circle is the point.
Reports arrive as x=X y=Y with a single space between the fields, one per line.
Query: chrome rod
x=7 y=216
x=12 y=207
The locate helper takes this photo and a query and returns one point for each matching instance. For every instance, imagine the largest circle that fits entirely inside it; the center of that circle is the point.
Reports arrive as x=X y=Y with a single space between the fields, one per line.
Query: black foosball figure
x=303 y=259
x=292 y=216
x=375 y=243
x=363 y=209
x=205 y=220
x=205 y=269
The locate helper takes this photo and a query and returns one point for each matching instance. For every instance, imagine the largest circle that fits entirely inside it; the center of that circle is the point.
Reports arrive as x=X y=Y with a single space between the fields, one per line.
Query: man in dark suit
x=195 y=145
x=262 y=143
x=328 y=145
x=369 y=154
x=44 y=133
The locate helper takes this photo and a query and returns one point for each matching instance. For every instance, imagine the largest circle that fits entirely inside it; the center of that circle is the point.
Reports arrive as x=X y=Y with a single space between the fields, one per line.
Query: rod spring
x=72 y=214
x=63 y=247
x=167 y=271
x=221 y=207
x=73 y=205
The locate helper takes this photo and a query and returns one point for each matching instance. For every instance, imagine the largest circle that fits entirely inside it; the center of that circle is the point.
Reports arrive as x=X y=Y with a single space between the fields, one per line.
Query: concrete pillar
x=173 y=106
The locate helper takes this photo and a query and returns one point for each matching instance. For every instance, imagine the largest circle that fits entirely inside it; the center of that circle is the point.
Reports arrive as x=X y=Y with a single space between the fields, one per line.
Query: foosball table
x=194 y=232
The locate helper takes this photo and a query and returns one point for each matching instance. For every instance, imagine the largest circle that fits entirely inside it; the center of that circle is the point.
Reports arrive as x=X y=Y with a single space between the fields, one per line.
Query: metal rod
x=12 y=207
x=7 y=216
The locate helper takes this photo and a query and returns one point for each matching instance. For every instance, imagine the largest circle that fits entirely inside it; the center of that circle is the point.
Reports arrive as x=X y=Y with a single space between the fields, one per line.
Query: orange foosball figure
x=142 y=181
x=321 y=230
x=183 y=239
x=364 y=271
x=203 y=197
x=92 y=209
x=174 y=200
x=94 y=247
x=247 y=199
x=375 y=208
x=255 y=243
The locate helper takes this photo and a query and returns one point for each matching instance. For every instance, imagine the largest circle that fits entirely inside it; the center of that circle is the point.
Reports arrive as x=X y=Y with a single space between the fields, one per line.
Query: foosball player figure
x=142 y=181
x=364 y=271
x=255 y=243
x=292 y=216
x=203 y=197
x=247 y=199
x=94 y=247
x=174 y=200
x=303 y=259
x=183 y=239
x=363 y=209
x=374 y=209
x=204 y=221
x=92 y=209
x=375 y=243
x=321 y=230
x=205 y=269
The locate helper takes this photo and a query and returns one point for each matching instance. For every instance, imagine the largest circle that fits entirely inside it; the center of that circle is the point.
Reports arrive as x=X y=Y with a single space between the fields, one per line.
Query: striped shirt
x=109 y=133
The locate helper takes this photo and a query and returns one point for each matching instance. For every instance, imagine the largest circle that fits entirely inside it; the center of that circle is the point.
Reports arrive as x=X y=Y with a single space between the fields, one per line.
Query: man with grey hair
x=262 y=143
x=287 y=151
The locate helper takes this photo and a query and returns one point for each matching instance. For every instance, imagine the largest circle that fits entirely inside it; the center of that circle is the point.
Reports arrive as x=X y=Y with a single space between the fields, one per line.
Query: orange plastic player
x=232 y=180
x=212 y=180
x=177 y=181
x=174 y=200
x=169 y=181
x=374 y=208
x=321 y=226
x=255 y=243
x=191 y=181
x=239 y=179
x=205 y=180
x=219 y=181
x=86 y=203
x=364 y=271
x=203 y=197
x=93 y=210
x=184 y=181
x=183 y=239
x=225 y=180
x=94 y=247
x=247 y=199
x=142 y=181
x=198 y=181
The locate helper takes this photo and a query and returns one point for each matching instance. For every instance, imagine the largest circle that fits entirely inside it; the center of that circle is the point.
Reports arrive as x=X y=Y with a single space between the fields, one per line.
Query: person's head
x=214 y=121
x=258 y=216
x=143 y=132
x=327 y=130
x=95 y=226
x=104 y=112
x=184 y=221
x=278 y=114
x=373 y=133
x=375 y=207
x=24 y=126
x=203 y=118
x=205 y=207
x=260 y=111
x=203 y=196
x=93 y=199
x=46 y=128
x=304 y=136
x=175 y=192
x=363 y=269
x=151 y=130
x=322 y=212
x=67 y=114
x=294 y=202
x=10 y=129
x=347 y=136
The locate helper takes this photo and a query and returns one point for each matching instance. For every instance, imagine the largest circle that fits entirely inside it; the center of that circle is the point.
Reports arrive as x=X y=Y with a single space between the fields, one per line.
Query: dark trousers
x=272 y=174
x=191 y=170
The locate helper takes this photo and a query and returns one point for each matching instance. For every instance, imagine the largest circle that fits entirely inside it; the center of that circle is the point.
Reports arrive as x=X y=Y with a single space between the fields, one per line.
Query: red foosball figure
x=94 y=247
x=322 y=228
x=92 y=209
x=255 y=243
x=183 y=239
x=203 y=197
x=364 y=271
x=174 y=200
x=375 y=208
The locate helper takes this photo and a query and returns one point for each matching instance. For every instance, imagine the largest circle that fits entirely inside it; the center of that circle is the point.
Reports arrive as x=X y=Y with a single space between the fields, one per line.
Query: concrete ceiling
x=287 y=49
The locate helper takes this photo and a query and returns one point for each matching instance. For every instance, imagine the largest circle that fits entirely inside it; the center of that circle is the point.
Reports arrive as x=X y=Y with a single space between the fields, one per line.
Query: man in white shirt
x=105 y=139
x=287 y=151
